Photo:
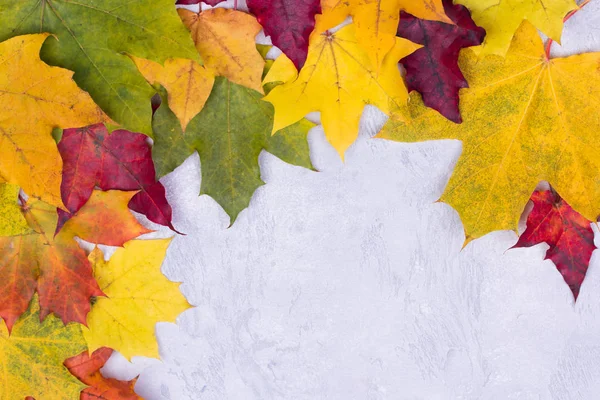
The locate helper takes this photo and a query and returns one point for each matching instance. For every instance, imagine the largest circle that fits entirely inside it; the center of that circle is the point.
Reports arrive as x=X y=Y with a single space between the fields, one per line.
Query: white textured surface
x=350 y=283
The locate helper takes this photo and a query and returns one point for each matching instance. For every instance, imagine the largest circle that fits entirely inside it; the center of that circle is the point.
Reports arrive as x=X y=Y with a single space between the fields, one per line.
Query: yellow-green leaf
x=32 y=356
x=526 y=119
x=502 y=18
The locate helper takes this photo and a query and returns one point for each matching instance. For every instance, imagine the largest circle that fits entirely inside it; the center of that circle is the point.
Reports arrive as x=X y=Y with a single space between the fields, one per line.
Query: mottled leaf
x=32 y=358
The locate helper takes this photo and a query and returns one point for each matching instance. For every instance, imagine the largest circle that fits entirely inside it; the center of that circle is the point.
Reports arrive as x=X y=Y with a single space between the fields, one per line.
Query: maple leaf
x=54 y=266
x=119 y=161
x=32 y=358
x=138 y=296
x=229 y=134
x=502 y=18
x=87 y=369
x=35 y=98
x=91 y=38
x=433 y=70
x=187 y=83
x=105 y=219
x=525 y=121
x=568 y=233
x=289 y=23
x=226 y=41
x=376 y=21
x=338 y=82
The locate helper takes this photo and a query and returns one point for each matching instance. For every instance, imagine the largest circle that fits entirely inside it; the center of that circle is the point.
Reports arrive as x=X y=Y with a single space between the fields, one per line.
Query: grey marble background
x=350 y=283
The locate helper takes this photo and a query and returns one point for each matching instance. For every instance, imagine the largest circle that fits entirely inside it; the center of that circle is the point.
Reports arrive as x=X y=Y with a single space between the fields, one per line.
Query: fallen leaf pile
x=99 y=100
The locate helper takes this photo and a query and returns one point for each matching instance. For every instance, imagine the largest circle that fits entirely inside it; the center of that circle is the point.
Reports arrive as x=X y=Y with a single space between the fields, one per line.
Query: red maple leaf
x=433 y=70
x=54 y=266
x=121 y=160
x=87 y=370
x=568 y=233
x=289 y=23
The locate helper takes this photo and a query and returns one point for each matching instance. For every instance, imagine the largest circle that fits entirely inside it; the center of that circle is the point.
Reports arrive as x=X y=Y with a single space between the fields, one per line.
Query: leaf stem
x=569 y=15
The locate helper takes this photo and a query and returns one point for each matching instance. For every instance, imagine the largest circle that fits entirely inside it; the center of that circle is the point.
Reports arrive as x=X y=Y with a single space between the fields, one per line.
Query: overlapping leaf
x=289 y=23
x=338 y=81
x=187 y=83
x=225 y=40
x=105 y=219
x=35 y=98
x=568 y=233
x=119 y=161
x=86 y=368
x=433 y=70
x=53 y=266
x=376 y=21
x=502 y=18
x=525 y=121
x=91 y=39
x=138 y=296
x=32 y=358
x=229 y=134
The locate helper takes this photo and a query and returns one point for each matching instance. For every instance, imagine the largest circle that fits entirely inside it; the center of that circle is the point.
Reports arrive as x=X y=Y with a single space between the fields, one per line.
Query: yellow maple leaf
x=338 y=81
x=12 y=222
x=225 y=40
x=188 y=84
x=525 y=120
x=34 y=99
x=32 y=358
x=105 y=219
x=501 y=18
x=377 y=20
x=138 y=296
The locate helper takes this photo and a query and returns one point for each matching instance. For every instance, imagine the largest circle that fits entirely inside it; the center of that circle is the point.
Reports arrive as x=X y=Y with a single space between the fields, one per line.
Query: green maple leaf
x=229 y=134
x=92 y=37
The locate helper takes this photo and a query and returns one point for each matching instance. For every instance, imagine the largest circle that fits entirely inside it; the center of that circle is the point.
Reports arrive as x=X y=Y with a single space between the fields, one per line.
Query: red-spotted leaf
x=569 y=235
x=209 y=2
x=289 y=23
x=121 y=160
x=433 y=70
x=86 y=368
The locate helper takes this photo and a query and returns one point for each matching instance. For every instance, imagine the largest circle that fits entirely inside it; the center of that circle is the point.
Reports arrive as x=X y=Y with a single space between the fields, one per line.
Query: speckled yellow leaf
x=31 y=358
x=34 y=99
x=12 y=221
x=138 y=296
x=188 y=84
x=377 y=20
x=526 y=119
x=282 y=71
x=105 y=219
x=501 y=18
x=226 y=41
x=338 y=81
